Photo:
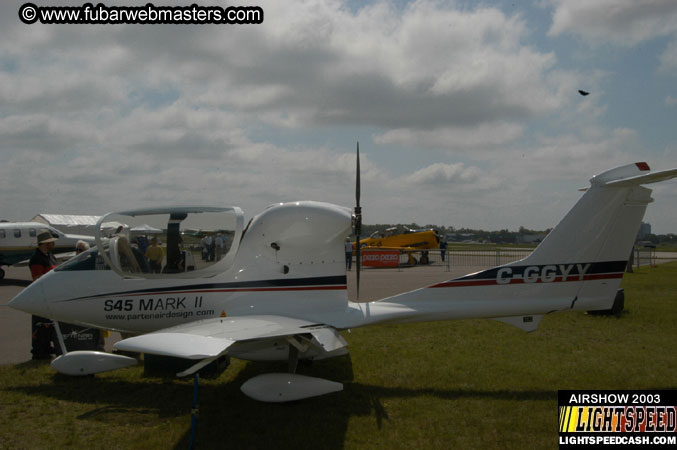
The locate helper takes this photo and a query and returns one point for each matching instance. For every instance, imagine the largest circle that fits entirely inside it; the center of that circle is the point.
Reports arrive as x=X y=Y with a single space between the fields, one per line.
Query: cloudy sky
x=467 y=113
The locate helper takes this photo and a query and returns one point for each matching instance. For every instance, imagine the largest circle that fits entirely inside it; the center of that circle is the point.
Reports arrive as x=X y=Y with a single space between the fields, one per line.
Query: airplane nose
x=31 y=300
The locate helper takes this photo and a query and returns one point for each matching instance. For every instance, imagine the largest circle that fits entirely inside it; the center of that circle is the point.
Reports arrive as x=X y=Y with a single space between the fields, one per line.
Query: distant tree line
x=503 y=236
x=498 y=236
x=663 y=239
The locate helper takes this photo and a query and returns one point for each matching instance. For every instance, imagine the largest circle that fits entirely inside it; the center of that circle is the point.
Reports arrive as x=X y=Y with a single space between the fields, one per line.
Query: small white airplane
x=18 y=241
x=279 y=292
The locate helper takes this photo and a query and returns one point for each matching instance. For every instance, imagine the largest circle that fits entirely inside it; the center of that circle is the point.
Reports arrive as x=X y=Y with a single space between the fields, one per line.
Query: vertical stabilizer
x=602 y=226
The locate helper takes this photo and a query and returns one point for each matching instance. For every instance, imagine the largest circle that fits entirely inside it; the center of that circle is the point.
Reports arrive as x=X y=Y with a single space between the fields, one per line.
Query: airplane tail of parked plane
x=578 y=266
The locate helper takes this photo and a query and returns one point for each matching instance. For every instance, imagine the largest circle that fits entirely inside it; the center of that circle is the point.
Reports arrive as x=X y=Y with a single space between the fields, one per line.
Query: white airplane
x=279 y=293
x=18 y=241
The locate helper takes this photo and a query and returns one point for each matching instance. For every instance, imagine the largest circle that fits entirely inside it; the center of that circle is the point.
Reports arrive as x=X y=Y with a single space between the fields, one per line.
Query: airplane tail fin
x=602 y=226
x=597 y=236
x=579 y=265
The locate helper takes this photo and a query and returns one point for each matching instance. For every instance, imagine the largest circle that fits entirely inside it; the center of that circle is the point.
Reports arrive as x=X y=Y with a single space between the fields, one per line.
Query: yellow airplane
x=406 y=239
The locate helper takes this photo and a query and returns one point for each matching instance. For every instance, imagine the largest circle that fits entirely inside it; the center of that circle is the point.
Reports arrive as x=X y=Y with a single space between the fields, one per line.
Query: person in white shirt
x=349 y=254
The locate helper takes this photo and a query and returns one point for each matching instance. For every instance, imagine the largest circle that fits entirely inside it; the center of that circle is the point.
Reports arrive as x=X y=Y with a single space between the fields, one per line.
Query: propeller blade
x=357 y=268
x=358 y=222
x=357 y=178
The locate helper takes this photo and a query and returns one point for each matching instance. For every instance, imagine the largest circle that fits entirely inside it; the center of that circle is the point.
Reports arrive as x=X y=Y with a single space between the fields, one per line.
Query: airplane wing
x=206 y=340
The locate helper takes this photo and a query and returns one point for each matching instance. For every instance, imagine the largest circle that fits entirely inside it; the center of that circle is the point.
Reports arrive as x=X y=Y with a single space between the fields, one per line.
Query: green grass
x=463 y=384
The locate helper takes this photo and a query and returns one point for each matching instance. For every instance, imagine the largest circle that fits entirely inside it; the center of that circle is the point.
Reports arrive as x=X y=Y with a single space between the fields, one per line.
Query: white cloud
x=314 y=63
x=622 y=22
x=519 y=185
x=457 y=138
x=318 y=63
x=668 y=59
x=440 y=173
x=573 y=156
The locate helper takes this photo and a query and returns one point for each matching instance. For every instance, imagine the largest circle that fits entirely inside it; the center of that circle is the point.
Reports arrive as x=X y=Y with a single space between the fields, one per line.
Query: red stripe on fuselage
x=270 y=289
x=494 y=282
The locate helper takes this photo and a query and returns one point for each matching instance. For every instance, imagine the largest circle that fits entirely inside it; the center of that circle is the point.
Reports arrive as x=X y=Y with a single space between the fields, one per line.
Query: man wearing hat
x=41 y=262
x=43 y=259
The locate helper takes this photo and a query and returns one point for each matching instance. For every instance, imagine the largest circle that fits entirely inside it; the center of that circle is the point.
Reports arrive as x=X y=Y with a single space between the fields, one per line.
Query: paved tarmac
x=15 y=326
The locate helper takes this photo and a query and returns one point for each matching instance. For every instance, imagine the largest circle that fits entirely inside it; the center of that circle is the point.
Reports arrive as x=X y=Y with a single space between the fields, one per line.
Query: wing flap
x=211 y=338
x=329 y=339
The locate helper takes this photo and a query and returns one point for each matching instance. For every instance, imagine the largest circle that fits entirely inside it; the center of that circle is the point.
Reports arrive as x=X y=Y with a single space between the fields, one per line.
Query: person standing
x=154 y=255
x=219 y=243
x=209 y=242
x=142 y=243
x=443 y=249
x=349 y=254
x=42 y=261
x=205 y=248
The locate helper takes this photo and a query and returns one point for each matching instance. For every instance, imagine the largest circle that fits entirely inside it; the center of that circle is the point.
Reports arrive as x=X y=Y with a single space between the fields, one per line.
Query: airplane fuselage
x=18 y=241
x=294 y=277
x=134 y=306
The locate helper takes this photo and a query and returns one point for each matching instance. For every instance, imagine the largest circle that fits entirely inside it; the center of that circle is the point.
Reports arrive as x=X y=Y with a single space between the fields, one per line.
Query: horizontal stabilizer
x=526 y=323
x=630 y=175
x=644 y=179
x=620 y=173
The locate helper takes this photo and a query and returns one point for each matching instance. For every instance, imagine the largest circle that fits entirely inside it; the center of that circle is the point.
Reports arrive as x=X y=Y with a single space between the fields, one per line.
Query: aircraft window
x=87 y=260
x=2 y=234
x=171 y=243
x=31 y=232
x=17 y=232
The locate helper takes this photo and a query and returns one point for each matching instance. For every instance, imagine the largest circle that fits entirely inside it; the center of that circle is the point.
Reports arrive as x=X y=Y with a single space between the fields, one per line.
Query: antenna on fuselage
x=357 y=222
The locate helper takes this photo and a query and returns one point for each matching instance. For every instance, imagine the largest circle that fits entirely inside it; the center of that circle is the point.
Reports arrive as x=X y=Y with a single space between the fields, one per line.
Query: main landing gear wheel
x=2 y=274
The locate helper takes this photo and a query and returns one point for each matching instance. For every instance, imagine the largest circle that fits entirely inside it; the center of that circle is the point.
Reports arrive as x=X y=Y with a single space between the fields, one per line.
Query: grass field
x=463 y=384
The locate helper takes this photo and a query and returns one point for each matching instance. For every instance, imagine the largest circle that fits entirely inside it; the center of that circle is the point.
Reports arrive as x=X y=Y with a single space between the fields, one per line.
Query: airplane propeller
x=357 y=222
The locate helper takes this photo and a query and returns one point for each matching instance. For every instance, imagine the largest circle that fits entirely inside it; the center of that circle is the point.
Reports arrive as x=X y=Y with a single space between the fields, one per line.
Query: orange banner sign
x=381 y=258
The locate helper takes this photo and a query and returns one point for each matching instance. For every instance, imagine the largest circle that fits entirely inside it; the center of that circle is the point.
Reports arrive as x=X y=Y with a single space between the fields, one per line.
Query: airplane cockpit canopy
x=179 y=242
